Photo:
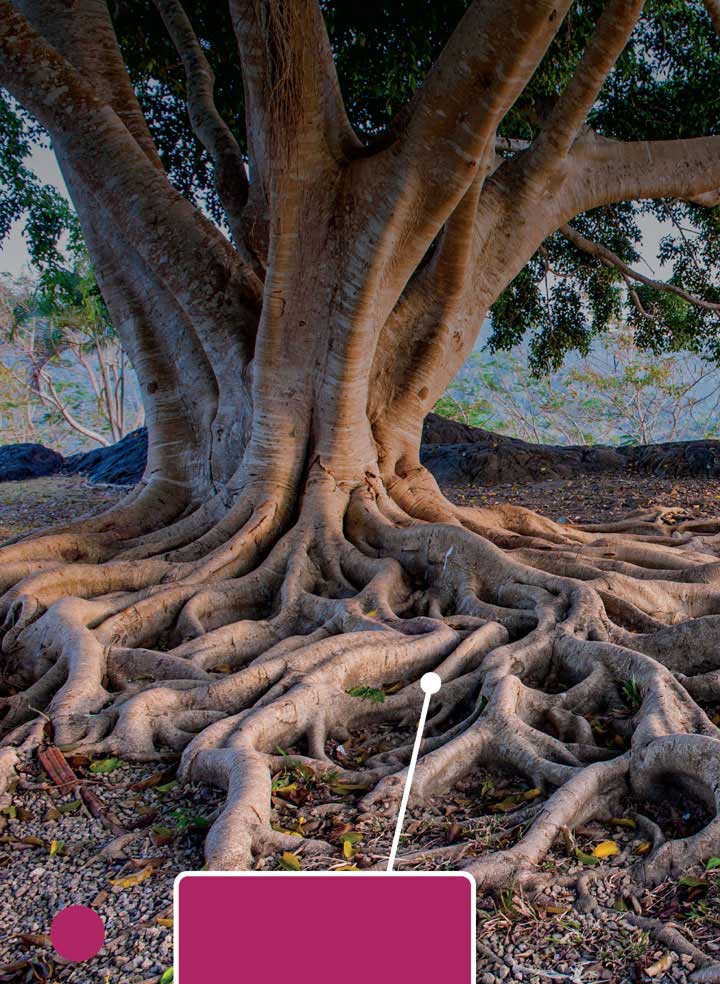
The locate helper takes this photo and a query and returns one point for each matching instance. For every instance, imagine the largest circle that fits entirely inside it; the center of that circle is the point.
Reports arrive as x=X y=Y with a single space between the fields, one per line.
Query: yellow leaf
x=55 y=846
x=623 y=822
x=372 y=613
x=531 y=794
x=644 y=848
x=347 y=867
x=290 y=861
x=131 y=880
x=348 y=849
x=507 y=804
x=167 y=923
x=286 y=790
x=660 y=966
x=606 y=849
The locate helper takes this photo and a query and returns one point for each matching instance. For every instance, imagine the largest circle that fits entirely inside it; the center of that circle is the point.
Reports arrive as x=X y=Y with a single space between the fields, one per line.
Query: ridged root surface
x=234 y=630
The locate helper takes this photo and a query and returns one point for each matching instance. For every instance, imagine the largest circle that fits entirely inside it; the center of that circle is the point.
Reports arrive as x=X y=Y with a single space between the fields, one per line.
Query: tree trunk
x=286 y=545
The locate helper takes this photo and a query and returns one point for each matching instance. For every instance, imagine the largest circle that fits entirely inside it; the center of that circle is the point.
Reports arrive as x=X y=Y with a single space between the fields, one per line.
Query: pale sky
x=14 y=258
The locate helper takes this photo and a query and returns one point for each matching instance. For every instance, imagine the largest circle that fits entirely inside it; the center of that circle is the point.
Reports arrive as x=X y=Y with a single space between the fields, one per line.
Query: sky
x=14 y=257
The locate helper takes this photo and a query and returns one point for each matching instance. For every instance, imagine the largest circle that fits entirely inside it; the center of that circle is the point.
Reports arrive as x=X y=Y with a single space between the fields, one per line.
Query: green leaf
x=105 y=766
x=586 y=858
x=187 y=820
x=168 y=976
x=712 y=864
x=368 y=693
x=69 y=807
x=689 y=881
x=167 y=786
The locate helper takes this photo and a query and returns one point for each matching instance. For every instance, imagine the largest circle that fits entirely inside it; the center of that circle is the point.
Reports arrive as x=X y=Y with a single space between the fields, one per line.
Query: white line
x=409 y=780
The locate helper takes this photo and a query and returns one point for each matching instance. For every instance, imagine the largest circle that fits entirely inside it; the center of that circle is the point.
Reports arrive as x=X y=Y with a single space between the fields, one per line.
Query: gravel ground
x=53 y=853
x=26 y=506
x=599 y=498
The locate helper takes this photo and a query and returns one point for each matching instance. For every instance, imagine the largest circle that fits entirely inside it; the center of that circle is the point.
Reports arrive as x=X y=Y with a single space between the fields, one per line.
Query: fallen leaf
x=290 y=861
x=166 y=923
x=168 y=976
x=129 y=881
x=623 y=822
x=166 y=786
x=56 y=847
x=585 y=858
x=606 y=849
x=34 y=939
x=644 y=847
x=105 y=766
x=660 y=966
x=712 y=864
x=69 y=807
x=689 y=881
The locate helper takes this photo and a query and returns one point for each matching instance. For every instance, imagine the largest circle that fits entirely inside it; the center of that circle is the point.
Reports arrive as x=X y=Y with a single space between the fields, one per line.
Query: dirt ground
x=53 y=853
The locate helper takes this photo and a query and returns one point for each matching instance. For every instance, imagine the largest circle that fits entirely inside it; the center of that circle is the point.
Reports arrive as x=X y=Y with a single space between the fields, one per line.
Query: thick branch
x=713 y=9
x=611 y=259
x=293 y=105
x=570 y=112
x=613 y=171
x=83 y=33
x=482 y=70
x=178 y=242
x=208 y=125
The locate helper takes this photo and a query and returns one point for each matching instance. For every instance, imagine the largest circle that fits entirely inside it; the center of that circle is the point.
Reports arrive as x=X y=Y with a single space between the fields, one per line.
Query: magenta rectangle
x=322 y=928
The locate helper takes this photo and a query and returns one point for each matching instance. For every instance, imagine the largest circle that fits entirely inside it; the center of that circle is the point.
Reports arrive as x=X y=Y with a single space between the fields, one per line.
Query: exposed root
x=229 y=633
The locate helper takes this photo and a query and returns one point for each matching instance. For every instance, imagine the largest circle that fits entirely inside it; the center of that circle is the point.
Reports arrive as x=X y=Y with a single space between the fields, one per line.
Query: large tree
x=285 y=530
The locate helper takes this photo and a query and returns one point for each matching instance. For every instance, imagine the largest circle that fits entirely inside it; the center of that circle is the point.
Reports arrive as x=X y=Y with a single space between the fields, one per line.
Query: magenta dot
x=77 y=933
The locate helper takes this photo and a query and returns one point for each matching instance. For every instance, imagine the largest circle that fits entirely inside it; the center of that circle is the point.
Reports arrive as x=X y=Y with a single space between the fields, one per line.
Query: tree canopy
x=664 y=85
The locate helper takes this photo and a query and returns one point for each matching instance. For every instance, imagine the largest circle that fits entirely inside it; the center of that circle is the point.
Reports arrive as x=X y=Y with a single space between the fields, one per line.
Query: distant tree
x=68 y=356
x=618 y=394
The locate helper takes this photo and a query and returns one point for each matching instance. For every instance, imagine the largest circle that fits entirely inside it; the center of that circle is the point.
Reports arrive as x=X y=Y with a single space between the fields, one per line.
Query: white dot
x=431 y=683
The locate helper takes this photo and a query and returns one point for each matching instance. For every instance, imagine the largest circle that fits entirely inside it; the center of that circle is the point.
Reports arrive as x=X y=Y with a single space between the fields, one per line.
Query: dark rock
x=122 y=463
x=21 y=461
x=457 y=453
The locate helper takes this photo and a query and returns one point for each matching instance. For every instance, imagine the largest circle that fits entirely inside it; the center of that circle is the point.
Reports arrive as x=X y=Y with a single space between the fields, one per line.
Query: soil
x=54 y=853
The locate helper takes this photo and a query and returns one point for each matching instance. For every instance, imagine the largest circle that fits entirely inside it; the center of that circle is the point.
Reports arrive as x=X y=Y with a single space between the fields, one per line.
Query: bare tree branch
x=208 y=125
x=611 y=259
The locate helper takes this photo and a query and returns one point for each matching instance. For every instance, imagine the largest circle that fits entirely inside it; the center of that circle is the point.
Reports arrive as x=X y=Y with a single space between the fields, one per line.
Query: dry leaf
x=606 y=849
x=131 y=880
x=290 y=861
x=660 y=966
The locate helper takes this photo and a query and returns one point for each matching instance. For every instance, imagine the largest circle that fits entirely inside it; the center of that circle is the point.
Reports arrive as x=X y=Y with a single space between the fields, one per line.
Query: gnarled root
x=229 y=634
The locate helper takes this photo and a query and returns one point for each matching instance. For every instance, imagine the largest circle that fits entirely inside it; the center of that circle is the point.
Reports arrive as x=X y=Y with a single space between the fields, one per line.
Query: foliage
x=616 y=395
x=63 y=370
x=368 y=693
